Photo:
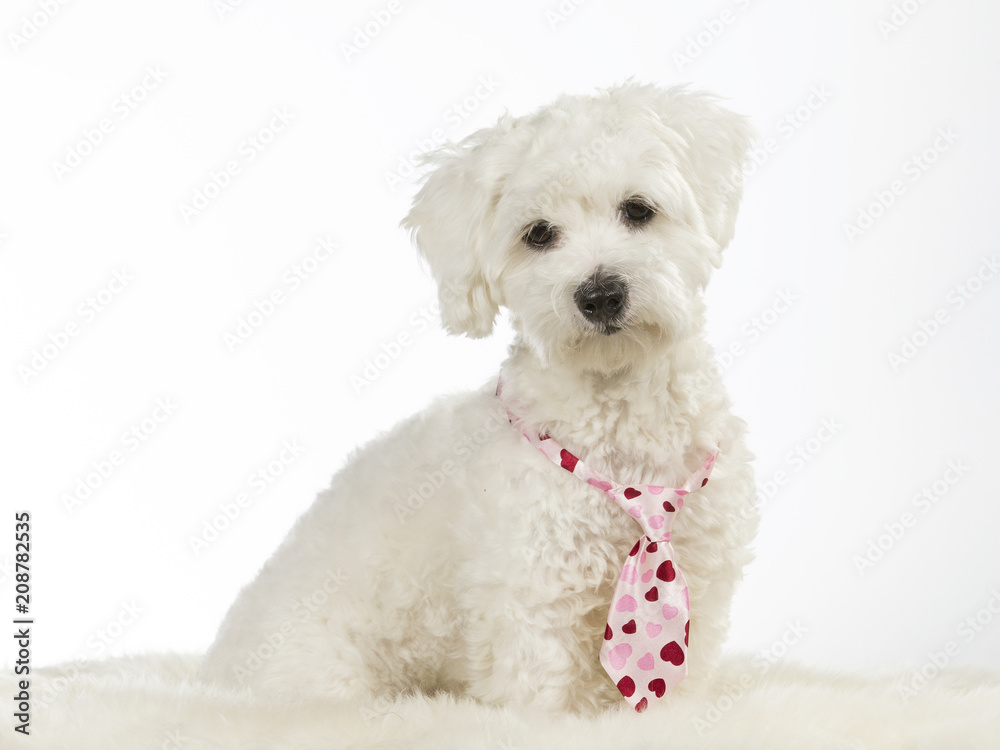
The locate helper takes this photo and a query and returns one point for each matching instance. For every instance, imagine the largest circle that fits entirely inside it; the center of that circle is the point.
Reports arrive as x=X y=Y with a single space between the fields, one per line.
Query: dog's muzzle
x=602 y=298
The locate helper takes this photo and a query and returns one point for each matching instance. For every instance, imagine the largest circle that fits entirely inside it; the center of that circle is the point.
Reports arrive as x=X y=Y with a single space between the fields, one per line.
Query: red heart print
x=626 y=686
x=704 y=481
x=652 y=595
x=672 y=653
x=669 y=507
x=635 y=549
x=569 y=461
x=658 y=687
x=631 y=492
x=666 y=571
x=641 y=706
x=687 y=628
x=652 y=547
x=607 y=633
x=629 y=627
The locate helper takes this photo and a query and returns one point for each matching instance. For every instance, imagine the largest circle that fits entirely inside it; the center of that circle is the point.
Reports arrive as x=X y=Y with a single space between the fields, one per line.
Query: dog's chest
x=559 y=528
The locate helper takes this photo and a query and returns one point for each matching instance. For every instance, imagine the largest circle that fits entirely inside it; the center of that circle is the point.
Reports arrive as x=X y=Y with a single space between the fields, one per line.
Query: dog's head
x=596 y=221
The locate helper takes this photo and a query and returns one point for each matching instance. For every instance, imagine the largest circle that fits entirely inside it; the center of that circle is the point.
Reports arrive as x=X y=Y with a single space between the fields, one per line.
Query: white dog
x=451 y=554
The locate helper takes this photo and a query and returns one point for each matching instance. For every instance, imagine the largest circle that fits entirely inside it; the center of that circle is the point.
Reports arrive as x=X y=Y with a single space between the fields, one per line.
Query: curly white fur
x=451 y=555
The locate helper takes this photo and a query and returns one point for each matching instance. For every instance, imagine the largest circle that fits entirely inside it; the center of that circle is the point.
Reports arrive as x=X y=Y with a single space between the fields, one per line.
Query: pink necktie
x=645 y=640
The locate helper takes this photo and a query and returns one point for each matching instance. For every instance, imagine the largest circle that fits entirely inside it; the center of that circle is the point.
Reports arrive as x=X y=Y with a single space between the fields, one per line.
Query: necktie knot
x=653 y=506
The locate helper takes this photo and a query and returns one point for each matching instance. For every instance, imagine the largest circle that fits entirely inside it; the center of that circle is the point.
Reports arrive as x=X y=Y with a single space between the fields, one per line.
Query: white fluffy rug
x=154 y=702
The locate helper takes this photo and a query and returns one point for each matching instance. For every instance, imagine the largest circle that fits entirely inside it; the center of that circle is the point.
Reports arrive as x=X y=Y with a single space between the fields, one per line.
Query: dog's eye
x=636 y=211
x=540 y=234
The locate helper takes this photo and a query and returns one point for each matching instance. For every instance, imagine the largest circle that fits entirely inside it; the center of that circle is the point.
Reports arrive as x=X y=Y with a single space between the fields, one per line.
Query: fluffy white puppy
x=452 y=555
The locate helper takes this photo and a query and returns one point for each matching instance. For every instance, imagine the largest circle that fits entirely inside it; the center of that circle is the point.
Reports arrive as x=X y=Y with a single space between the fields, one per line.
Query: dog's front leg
x=540 y=654
x=534 y=617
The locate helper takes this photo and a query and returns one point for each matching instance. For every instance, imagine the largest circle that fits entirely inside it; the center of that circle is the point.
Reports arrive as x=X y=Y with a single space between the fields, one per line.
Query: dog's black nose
x=601 y=298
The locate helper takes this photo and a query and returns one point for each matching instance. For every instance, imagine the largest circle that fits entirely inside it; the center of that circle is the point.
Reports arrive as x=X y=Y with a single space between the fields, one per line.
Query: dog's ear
x=716 y=141
x=452 y=222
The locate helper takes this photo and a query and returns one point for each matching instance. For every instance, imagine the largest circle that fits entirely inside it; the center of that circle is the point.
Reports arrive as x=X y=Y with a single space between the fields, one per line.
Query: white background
x=847 y=101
